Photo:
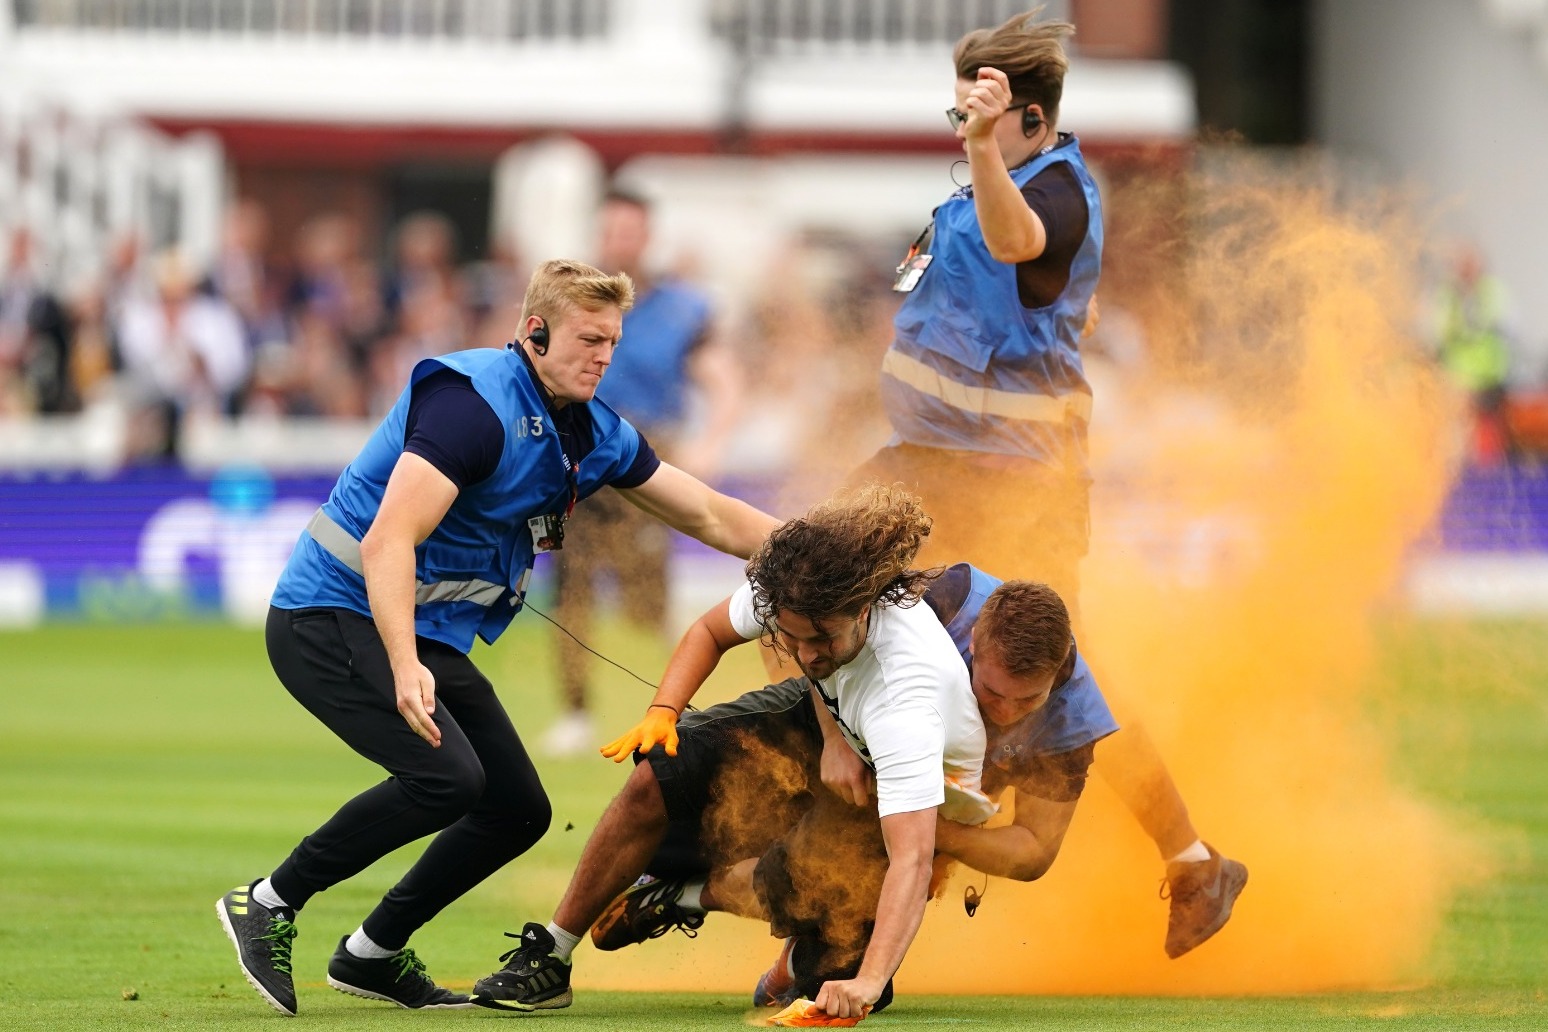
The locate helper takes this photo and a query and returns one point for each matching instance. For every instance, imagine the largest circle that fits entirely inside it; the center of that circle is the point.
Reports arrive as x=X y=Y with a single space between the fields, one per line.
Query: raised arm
x=686 y=504
x=1012 y=231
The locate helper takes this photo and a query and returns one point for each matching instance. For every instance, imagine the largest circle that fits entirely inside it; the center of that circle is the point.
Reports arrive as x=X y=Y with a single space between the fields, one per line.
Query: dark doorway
x=461 y=193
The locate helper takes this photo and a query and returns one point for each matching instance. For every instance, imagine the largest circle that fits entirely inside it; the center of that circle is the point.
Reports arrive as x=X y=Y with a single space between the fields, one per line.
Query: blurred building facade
x=361 y=183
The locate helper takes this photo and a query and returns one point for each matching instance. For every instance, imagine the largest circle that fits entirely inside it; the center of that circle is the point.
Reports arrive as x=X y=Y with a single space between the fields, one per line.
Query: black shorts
x=747 y=783
x=774 y=721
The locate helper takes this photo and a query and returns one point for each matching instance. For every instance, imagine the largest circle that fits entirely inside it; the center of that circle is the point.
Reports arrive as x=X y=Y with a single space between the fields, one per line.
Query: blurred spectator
x=667 y=348
x=1474 y=347
x=313 y=374
x=813 y=344
x=34 y=337
x=425 y=254
x=326 y=249
x=363 y=320
x=241 y=273
x=183 y=352
x=93 y=349
x=429 y=322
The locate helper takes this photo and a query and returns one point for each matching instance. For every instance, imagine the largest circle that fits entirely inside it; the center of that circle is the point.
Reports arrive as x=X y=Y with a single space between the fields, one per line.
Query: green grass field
x=143 y=771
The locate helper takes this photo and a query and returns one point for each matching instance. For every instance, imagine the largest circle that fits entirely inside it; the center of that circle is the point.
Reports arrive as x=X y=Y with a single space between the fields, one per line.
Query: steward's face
x=1004 y=698
x=580 y=348
x=820 y=647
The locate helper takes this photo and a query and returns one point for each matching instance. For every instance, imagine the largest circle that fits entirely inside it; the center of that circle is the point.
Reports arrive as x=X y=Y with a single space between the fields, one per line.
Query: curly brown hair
x=1026 y=626
x=849 y=552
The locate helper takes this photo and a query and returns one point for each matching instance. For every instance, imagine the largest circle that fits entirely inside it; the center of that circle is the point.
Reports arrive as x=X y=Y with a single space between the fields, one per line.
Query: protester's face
x=625 y=234
x=580 y=348
x=1003 y=697
x=820 y=647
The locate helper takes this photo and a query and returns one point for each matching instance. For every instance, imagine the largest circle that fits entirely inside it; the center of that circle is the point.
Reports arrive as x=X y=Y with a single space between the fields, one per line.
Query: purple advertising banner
x=148 y=541
x=160 y=542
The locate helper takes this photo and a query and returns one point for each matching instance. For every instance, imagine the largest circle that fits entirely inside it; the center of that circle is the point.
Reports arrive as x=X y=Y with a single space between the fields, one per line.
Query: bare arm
x=695 y=658
x=1023 y=849
x=686 y=504
x=1011 y=229
x=910 y=839
x=414 y=503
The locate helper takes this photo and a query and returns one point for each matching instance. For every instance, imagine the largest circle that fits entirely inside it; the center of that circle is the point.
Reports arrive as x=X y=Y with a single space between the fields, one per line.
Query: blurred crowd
x=320 y=326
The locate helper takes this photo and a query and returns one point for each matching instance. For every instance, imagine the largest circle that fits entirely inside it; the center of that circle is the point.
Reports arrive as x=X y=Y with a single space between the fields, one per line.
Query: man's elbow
x=1005 y=254
x=1031 y=868
x=373 y=545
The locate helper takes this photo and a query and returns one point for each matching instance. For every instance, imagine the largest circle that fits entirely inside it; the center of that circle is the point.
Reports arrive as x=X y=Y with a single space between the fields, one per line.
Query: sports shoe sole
x=225 y=922
x=564 y=999
x=366 y=994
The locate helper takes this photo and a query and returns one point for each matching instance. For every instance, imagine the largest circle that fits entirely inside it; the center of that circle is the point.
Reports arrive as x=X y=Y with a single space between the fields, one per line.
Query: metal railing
x=486 y=20
x=755 y=26
x=794 y=26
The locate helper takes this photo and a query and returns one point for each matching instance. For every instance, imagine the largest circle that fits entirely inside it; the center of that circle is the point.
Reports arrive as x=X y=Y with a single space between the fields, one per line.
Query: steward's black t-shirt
x=453 y=428
x=1060 y=203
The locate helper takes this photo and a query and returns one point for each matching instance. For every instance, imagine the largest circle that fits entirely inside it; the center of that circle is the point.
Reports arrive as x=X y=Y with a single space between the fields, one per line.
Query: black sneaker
x=399 y=979
x=532 y=978
x=643 y=912
x=262 y=938
x=1202 y=895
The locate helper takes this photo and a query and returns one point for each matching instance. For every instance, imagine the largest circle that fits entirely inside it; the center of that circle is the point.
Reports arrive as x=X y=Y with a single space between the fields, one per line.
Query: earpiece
x=539 y=338
x=1030 y=120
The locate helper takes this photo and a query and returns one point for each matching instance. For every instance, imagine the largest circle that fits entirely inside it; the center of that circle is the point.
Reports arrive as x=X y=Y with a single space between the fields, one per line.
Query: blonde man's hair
x=563 y=283
x=1028 y=51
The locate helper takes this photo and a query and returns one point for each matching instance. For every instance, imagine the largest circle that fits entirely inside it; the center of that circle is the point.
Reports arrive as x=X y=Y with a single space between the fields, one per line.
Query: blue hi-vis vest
x=472 y=569
x=970 y=367
x=648 y=380
x=1075 y=714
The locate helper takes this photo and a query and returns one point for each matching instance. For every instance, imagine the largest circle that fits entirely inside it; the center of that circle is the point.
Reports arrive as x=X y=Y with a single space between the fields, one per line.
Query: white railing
x=485 y=20
x=795 y=26
x=83 y=184
x=754 y=26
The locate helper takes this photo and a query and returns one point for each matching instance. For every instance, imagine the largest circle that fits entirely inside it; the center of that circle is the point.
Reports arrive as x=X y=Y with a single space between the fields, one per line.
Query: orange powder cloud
x=1259 y=481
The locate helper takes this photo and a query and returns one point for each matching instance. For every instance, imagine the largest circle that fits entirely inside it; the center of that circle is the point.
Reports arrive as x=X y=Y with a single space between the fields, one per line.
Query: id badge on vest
x=914 y=264
x=547 y=532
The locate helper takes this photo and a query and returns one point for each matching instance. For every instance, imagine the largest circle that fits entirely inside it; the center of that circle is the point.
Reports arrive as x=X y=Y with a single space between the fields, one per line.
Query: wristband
x=662 y=705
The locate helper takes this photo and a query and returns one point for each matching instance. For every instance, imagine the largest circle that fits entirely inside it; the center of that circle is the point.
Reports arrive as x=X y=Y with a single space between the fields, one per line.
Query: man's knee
x=529 y=822
x=641 y=797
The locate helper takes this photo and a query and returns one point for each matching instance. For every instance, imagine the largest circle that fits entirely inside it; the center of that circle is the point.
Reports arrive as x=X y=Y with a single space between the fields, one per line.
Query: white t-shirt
x=906 y=706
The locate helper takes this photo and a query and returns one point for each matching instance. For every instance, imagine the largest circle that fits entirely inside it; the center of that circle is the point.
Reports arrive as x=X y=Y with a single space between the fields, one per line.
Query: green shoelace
x=281 y=934
x=408 y=964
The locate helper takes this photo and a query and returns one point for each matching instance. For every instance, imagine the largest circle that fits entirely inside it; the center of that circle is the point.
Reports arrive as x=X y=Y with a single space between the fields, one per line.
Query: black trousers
x=479 y=789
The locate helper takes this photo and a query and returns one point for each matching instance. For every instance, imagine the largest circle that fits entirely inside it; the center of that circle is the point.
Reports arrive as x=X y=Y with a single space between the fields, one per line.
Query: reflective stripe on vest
x=986 y=401
x=341 y=544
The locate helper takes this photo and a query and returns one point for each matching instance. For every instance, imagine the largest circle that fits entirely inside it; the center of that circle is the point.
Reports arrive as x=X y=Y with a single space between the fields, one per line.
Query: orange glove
x=658 y=728
x=803 y=1013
